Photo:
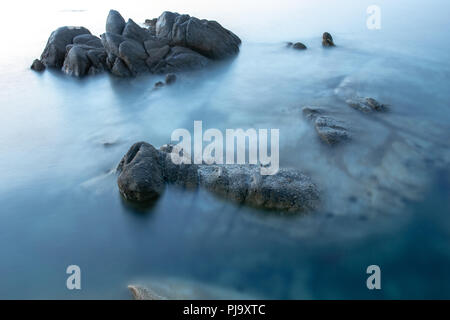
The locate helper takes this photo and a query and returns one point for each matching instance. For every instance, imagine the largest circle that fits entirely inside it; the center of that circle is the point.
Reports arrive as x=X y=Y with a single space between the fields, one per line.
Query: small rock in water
x=366 y=105
x=327 y=40
x=170 y=78
x=299 y=46
x=330 y=130
x=289 y=44
x=37 y=65
x=159 y=84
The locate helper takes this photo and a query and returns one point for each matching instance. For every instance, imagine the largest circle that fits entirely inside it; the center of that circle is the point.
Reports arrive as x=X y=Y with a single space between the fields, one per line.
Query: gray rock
x=141 y=173
x=134 y=55
x=159 y=84
x=155 y=43
x=133 y=31
x=208 y=38
x=77 y=62
x=111 y=43
x=55 y=50
x=327 y=40
x=170 y=78
x=37 y=65
x=181 y=58
x=115 y=23
x=88 y=40
x=144 y=170
x=120 y=69
x=299 y=46
x=330 y=130
x=366 y=105
x=156 y=55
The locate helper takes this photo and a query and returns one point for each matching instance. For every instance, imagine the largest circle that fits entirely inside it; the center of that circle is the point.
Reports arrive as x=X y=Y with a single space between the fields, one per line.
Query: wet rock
x=120 y=69
x=88 y=40
x=115 y=23
x=144 y=170
x=133 y=31
x=299 y=46
x=156 y=55
x=329 y=129
x=55 y=50
x=171 y=78
x=289 y=44
x=37 y=65
x=327 y=40
x=134 y=56
x=366 y=105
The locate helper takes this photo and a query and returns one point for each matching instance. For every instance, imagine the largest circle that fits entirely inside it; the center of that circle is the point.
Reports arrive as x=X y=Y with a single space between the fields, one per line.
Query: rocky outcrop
x=366 y=105
x=144 y=171
x=170 y=43
x=327 y=40
x=330 y=130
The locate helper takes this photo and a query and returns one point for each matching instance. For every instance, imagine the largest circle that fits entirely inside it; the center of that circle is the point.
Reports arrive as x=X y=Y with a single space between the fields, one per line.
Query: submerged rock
x=299 y=46
x=170 y=288
x=366 y=105
x=329 y=129
x=327 y=40
x=171 y=43
x=144 y=171
x=37 y=65
x=170 y=78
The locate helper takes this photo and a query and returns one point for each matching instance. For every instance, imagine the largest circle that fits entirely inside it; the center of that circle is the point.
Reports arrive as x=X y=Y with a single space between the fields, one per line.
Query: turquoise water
x=385 y=195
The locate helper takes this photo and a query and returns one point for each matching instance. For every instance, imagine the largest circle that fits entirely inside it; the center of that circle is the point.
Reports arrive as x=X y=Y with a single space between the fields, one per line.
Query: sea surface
x=384 y=195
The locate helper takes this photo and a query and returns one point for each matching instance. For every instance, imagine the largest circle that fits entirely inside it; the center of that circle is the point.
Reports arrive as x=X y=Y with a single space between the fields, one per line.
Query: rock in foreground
x=144 y=171
x=327 y=40
x=170 y=43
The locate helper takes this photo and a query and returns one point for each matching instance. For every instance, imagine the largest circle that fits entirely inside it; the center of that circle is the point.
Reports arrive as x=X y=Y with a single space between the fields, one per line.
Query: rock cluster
x=366 y=105
x=144 y=172
x=170 y=43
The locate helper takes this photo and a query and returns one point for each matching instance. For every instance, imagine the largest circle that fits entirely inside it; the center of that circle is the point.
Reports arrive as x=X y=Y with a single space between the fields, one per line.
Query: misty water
x=384 y=195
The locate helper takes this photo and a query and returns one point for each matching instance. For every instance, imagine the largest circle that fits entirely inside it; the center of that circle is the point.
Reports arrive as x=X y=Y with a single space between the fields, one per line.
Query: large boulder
x=206 y=37
x=55 y=50
x=144 y=170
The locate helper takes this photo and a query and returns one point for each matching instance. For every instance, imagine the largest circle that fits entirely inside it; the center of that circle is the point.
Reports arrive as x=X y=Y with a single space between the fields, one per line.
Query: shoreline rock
x=327 y=40
x=144 y=171
x=366 y=105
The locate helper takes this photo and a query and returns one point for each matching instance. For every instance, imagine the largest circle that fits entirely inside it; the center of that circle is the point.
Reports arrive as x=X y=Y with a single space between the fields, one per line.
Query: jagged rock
x=329 y=129
x=133 y=31
x=299 y=46
x=37 y=65
x=55 y=50
x=144 y=170
x=327 y=40
x=115 y=23
x=366 y=105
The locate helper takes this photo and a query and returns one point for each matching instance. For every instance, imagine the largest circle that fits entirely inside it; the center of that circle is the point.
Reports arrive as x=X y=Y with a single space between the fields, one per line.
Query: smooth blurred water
x=385 y=195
